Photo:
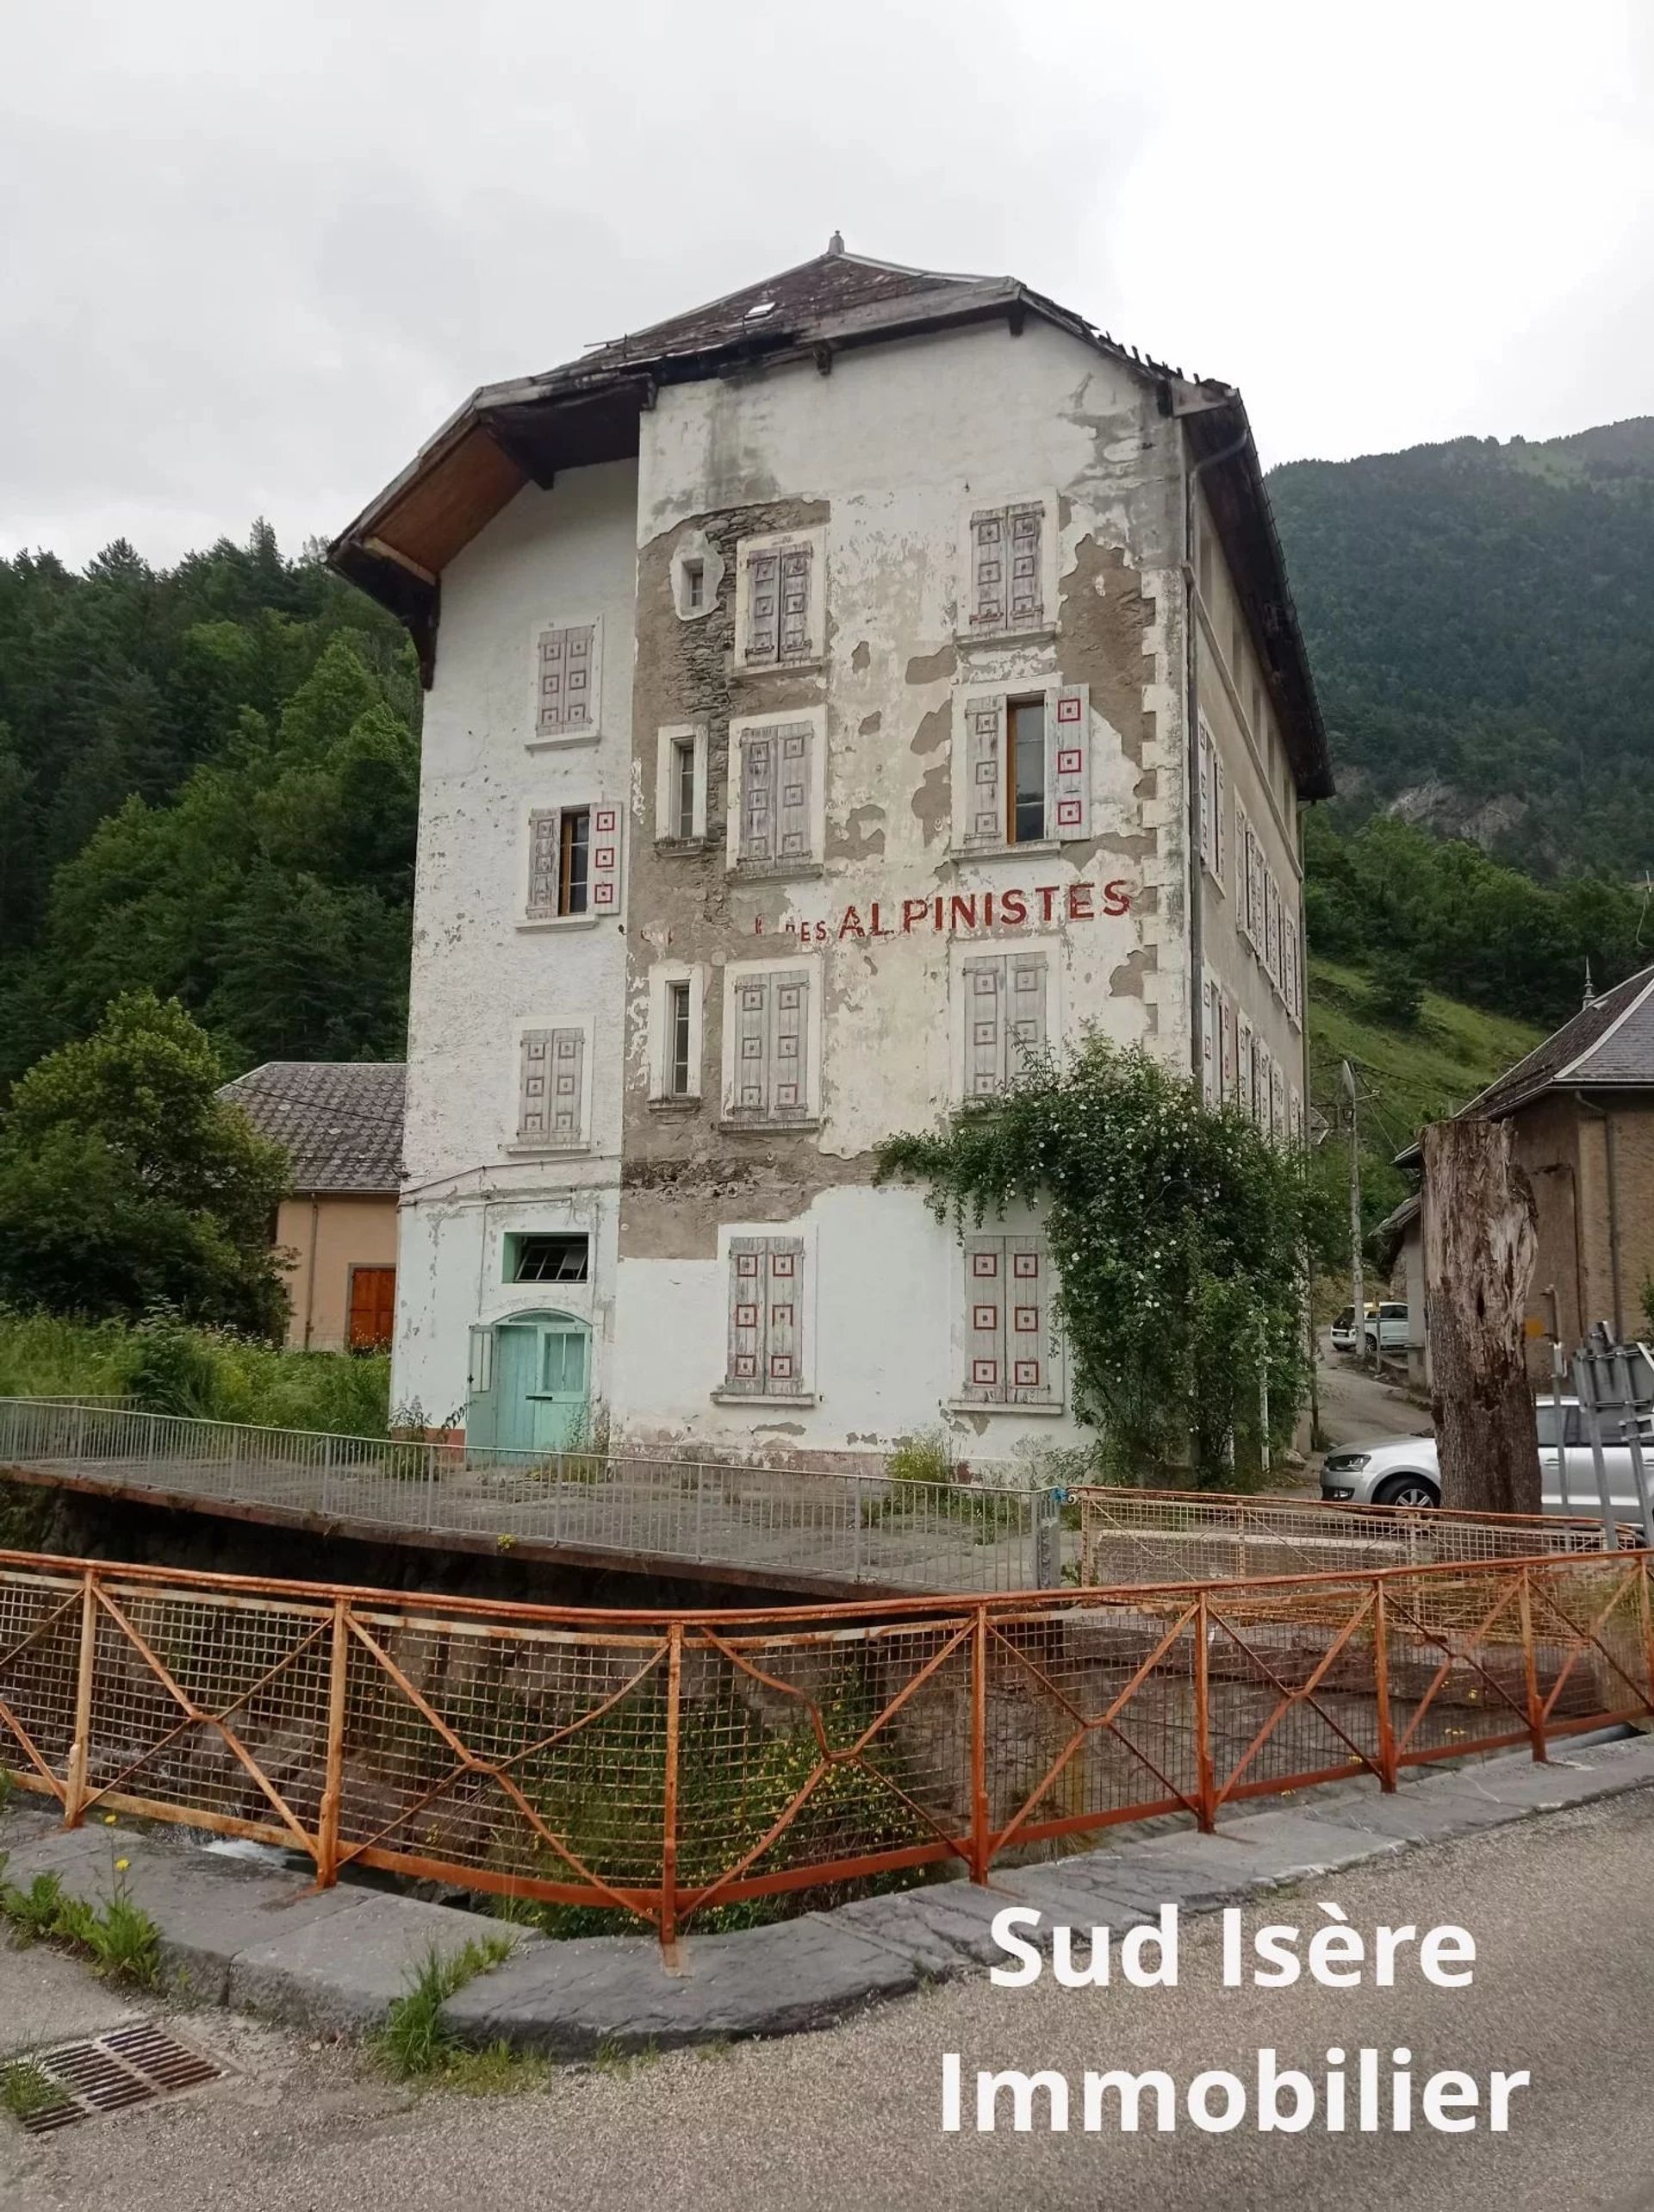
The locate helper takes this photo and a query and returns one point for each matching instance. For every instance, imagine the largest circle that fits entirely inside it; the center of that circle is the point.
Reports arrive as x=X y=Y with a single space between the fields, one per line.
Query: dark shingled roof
x=341 y=1120
x=1607 y=1044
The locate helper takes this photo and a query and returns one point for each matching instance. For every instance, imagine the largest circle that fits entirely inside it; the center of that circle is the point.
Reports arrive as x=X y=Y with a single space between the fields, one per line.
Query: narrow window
x=1025 y=785
x=574 y=859
x=683 y=786
x=677 y=1041
x=694 y=585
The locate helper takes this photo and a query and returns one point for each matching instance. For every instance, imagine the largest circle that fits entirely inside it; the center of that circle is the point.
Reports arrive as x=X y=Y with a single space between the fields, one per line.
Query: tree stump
x=1480 y=1241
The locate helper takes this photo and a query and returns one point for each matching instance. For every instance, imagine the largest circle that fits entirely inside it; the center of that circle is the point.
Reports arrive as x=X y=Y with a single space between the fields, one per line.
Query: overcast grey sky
x=254 y=253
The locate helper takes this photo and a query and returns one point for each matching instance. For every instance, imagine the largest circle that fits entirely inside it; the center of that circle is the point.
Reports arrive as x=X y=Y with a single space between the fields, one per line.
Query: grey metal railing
x=788 y=1529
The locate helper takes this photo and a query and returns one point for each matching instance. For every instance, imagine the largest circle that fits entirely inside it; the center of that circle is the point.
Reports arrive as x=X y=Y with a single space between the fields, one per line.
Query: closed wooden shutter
x=605 y=859
x=1069 y=799
x=758 y=797
x=1024 y=528
x=763 y=606
x=766 y=1341
x=984 y=1025
x=985 y=754
x=1025 y=1023
x=534 y=1088
x=797 y=642
x=542 y=863
x=789 y=1044
x=988 y=594
x=749 y=1292
x=568 y=699
x=1030 y=1330
x=792 y=815
x=985 y=1319
x=784 y=1319
x=568 y=1082
x=751 y=1046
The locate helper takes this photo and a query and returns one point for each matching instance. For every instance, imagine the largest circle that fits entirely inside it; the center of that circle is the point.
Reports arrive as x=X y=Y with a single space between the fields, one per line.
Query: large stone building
x=832 y=693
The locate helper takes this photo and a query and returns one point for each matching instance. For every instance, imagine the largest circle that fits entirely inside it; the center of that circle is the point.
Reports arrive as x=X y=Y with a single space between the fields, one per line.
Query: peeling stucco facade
x=876 y=469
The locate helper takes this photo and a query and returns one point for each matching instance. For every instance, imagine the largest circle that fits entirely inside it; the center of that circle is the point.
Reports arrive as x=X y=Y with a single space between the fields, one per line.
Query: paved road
x=1563 y=1912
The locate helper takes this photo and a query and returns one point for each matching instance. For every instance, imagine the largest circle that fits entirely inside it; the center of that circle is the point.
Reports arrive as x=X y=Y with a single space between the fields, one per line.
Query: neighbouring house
x=341 y=1124
x=1581 y=1110
x=833 y=692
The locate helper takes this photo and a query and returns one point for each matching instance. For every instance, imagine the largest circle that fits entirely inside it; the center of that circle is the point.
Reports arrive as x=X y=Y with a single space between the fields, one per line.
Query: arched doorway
x=530 y=1382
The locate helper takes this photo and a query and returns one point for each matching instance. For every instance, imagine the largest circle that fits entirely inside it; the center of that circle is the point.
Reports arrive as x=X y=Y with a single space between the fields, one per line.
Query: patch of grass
x=25 y=2092
x=413 y=2041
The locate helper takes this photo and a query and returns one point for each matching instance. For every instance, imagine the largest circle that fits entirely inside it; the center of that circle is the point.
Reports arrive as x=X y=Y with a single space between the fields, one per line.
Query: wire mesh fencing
x=811 y=1532
x=664 y=1764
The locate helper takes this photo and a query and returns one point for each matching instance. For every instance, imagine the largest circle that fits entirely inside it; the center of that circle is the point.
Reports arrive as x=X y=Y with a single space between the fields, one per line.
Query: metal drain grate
x=108 y=2073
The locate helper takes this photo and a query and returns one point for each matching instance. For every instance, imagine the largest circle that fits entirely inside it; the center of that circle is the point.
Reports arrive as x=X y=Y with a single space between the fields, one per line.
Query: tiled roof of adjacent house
x=341 y=1120
x=1608 y=1044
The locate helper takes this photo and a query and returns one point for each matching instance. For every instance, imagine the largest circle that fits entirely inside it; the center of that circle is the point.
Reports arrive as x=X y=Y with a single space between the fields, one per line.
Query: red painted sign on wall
x=968 y=913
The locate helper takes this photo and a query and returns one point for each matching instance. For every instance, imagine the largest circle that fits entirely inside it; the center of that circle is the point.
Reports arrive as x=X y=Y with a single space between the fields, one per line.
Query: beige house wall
x=328 y=1236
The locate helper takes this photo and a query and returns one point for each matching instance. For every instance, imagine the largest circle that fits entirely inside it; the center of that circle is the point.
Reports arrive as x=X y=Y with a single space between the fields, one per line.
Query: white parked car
x=1403 y=1471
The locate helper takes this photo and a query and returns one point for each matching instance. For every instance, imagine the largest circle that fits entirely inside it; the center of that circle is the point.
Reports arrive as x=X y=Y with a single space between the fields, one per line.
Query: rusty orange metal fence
x=668 y=1763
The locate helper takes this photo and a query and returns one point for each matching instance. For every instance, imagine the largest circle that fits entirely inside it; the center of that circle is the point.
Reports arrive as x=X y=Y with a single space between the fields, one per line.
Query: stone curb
x=262 y=1940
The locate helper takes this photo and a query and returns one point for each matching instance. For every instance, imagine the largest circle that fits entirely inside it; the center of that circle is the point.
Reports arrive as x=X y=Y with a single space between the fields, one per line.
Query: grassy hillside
x=1407 y=1075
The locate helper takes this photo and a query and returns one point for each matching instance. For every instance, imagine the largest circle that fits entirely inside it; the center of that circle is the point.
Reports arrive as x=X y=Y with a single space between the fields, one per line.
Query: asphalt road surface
x=1563 y=1913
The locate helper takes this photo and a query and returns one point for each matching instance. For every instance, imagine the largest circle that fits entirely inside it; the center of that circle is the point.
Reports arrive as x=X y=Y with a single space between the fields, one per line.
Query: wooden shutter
x=749 y=1293
x=568 y=1079
x=543 y=863
x=1220 y=842
x=751 y=1046
x=1024 y=1009
x=988 y=594
x=783 y=1317
x=534 y=1088
x=763 y=606
x=797 y=640
x=1024 y=528
x=1030 y=1334
x=984 y=1025
x=758 y=797
x=789 y=1092
x=1068 y=799
x=985 y=754
x=567 y=691
x=985 y=1319
x=792 y=809
x=606 y=860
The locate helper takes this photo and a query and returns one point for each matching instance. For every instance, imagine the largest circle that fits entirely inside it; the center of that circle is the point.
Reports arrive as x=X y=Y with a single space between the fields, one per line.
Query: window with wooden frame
x=771 y=1042
x=568 y=670
x=1011 y=1352
x=1006 y=1018
x=551 y=1089
x=766 y=1356
x=574 y=862
x=779 y=599
x=1023 y=773
x=1005 y=584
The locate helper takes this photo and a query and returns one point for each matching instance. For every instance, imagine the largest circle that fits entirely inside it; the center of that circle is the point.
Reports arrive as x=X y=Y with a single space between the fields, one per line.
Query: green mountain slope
x=1407 y=1073
x=1480 y=618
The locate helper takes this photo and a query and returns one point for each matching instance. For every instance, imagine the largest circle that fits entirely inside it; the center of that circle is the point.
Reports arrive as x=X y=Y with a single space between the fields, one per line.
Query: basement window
x=555 y=1258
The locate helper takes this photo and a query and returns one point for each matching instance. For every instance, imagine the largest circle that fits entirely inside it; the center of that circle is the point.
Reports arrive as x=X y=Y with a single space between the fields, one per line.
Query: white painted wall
x=552 y=557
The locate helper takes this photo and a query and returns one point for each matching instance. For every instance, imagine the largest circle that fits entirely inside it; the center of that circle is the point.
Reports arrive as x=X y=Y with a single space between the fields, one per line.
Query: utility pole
x=1358 y=1288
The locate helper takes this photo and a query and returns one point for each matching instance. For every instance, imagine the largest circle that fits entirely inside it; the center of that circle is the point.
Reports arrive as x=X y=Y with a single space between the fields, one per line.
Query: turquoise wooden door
x=541 y=1376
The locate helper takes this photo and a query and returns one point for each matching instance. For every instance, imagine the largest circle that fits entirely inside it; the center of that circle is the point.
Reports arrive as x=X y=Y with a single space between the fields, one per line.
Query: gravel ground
x=1561 y=1908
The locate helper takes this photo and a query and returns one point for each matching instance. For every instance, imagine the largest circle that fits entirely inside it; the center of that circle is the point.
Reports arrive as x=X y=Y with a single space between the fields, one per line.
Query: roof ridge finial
x=836 y=243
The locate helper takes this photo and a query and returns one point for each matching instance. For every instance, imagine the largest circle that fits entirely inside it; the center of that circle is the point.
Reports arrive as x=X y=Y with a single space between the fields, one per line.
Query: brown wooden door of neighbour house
x=373 y=1308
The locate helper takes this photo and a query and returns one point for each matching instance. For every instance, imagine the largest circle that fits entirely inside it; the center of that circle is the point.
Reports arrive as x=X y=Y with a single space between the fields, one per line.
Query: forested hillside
x=208 y=780
x=1481 y=620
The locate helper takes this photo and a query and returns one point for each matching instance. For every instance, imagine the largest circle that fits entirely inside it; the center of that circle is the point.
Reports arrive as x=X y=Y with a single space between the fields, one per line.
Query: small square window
x=553 y=1258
